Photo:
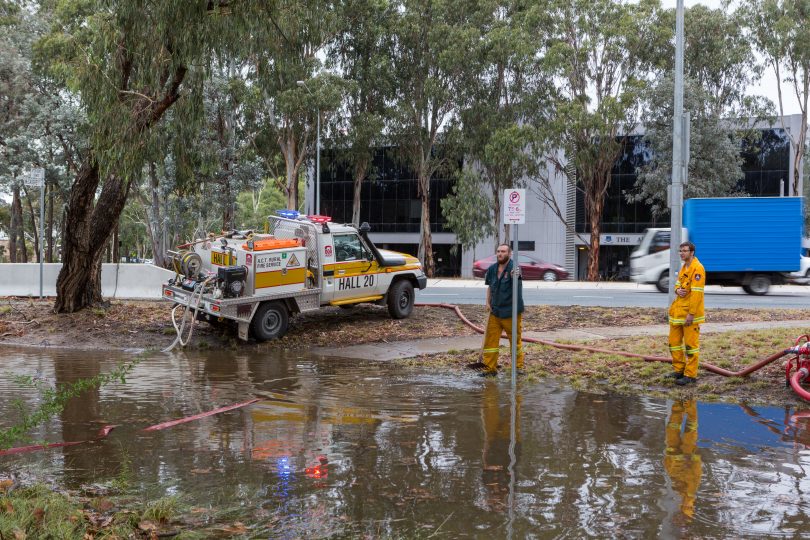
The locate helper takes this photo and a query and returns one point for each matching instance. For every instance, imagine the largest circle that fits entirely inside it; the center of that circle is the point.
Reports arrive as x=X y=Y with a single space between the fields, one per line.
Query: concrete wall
x=117 y=280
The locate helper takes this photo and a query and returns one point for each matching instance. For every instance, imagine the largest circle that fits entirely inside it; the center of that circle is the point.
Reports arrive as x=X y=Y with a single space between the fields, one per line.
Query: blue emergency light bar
x=289 y=214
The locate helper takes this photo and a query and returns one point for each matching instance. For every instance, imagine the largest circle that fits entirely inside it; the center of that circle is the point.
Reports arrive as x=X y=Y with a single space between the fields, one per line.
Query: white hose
x=196 y=297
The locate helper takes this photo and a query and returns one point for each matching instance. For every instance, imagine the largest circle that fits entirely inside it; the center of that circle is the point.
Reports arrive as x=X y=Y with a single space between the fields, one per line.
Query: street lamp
x=303 y=85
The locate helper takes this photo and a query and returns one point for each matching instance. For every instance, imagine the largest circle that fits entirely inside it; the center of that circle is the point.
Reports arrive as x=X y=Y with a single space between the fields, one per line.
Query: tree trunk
x=425 y=237
x=496 y=199
x=595 y=218
x=12 y=233
x=87 y=230
x=116 y=252
x=19 y=250
x=33 y=223
x=360 y=169
x=49 y=226
x=155 y=223
x=291 y=170
x=227 y=204
x=799 y=152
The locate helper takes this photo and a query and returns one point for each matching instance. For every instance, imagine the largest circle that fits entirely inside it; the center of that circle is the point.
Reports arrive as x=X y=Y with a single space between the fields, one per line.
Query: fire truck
x=299 y=264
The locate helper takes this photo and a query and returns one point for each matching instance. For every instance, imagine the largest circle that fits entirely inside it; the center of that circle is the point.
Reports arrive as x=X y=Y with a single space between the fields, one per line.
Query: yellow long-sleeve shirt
x=692 y=277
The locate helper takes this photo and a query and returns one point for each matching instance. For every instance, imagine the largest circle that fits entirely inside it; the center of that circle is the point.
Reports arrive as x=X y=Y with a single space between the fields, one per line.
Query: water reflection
x=354 y=449
x=496 y=418
x=682 y=460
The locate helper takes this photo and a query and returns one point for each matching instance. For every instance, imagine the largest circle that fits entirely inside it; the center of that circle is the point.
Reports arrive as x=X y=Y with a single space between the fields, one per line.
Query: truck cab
x=649 y=262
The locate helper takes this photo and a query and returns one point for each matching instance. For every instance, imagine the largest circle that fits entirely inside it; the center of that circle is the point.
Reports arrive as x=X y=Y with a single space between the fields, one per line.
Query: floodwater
x=352 y=449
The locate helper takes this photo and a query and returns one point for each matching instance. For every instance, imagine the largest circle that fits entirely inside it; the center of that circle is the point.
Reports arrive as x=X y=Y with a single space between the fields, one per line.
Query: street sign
x=514 y=206
x=36 y=178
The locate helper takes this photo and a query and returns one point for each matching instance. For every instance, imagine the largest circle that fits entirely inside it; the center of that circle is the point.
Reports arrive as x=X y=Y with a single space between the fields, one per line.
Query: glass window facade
x=766 y=163
x=620 y=216
x=389 y=198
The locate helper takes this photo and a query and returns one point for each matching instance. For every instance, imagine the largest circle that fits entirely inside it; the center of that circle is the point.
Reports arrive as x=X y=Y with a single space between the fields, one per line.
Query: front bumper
x=421 y=281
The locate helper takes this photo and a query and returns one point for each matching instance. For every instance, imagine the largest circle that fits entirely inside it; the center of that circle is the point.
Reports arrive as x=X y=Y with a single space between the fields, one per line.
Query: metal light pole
x=303 y=84
x=678 y=165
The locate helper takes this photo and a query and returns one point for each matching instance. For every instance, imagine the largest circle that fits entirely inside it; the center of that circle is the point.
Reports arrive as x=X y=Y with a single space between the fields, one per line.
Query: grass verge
x=616 y=373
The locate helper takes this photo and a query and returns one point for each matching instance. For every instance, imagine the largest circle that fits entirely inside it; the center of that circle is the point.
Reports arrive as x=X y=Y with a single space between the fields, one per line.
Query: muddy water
x=348 y=449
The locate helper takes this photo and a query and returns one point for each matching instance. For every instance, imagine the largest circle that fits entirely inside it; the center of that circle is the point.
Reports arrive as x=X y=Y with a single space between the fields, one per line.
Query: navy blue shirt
x=500 y=291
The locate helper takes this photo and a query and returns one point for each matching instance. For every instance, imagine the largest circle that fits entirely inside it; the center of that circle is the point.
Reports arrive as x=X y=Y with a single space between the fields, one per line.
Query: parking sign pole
x=515 y=271
x=41 y=234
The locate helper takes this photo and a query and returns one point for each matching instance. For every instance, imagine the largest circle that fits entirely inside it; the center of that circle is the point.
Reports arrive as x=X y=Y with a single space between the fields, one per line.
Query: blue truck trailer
x=751 y=242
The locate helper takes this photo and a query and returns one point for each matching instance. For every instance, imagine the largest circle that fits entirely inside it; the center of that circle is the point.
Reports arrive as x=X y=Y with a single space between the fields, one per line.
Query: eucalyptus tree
x=433 y=40
x=779 y=30
x=363 y=53
x=39 y=125
x=596 y=56
x=719 y=65
x=130 y=62
x=285 y=53
x=509 y=94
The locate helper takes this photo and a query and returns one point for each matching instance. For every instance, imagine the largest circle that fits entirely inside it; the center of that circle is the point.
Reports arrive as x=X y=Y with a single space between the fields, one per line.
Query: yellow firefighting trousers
x=492 y=340
x=684 y=346
x=681 y=461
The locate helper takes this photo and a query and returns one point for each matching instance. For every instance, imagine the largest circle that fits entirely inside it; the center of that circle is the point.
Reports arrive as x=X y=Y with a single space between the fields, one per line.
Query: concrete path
x=397 y=350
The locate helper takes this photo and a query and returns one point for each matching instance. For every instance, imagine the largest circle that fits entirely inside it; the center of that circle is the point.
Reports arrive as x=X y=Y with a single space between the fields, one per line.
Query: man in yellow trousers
x=685 y=317
x=682 y=460
x=499 y=304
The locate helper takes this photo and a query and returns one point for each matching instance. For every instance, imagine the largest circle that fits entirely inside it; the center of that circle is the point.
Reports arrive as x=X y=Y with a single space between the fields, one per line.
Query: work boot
x=677 y=375
x=493 y=373
x=683 y=381
x=476 y=365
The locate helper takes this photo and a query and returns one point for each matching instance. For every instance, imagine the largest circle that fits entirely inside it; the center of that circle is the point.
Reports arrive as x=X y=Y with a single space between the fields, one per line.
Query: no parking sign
x=514 y=206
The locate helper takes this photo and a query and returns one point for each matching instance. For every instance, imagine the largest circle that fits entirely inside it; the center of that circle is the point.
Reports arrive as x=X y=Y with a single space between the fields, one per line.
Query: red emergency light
x=319 y=219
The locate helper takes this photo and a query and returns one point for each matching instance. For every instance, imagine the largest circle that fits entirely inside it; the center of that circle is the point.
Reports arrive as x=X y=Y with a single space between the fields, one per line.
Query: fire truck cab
x=301 y=263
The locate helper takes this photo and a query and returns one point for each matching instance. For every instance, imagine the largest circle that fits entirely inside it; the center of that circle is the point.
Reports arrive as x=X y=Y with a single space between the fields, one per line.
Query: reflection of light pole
x=303 y=85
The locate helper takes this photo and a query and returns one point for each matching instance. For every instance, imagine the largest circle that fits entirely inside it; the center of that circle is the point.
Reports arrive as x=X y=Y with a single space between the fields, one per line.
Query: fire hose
x=195 y=299
x=104 y=431
x=648 y=358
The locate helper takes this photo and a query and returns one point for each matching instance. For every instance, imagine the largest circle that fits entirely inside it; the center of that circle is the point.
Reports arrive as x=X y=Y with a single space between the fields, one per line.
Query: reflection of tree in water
x=681 y=459
x=80 y=418
x=496 y=419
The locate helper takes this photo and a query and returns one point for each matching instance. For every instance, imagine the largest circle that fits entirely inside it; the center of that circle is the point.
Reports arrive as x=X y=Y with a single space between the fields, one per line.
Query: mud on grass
x=615 y=373
x=147 y=324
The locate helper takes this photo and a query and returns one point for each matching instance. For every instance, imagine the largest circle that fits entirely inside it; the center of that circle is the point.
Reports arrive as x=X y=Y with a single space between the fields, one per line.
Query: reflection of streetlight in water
x=496 y=417
x=681 y=460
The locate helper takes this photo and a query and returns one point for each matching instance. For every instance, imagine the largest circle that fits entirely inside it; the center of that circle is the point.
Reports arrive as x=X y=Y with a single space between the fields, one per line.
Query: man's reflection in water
x=681 y=461
x=496 y=418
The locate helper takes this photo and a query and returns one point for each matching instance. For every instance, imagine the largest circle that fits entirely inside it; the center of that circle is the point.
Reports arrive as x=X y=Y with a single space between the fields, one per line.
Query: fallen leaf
x=236 y=528
x=19 y=534
x=147 y=526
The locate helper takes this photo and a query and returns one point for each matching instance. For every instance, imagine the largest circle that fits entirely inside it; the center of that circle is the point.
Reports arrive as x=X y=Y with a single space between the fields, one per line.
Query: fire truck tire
x=400 y=299
x=270 y=321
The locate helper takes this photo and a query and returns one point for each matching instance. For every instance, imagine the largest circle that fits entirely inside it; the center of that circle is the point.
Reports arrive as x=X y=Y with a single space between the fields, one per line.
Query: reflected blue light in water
x=751 y=428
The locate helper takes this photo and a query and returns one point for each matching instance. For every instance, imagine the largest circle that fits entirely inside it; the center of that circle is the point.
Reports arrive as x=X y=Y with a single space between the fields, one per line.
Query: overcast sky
x=767 y=85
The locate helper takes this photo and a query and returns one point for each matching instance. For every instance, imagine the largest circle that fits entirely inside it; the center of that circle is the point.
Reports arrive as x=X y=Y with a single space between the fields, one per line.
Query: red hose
x=647 y=358
x=796 y=383
x=106 y=429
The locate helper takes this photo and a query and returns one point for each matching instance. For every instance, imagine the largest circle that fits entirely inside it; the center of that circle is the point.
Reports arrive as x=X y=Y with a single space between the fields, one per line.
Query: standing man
x=499 y=304
x=685 y=316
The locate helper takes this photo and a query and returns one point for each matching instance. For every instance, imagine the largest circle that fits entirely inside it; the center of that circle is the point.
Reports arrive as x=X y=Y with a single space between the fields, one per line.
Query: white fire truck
x=302 y=263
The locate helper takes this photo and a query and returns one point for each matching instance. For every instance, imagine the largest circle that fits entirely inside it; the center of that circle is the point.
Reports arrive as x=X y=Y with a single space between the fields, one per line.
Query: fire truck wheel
x=400 y=299
x=270 y=321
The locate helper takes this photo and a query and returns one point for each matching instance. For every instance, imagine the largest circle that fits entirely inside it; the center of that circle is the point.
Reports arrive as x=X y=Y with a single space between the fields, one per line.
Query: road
x=613 y=295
